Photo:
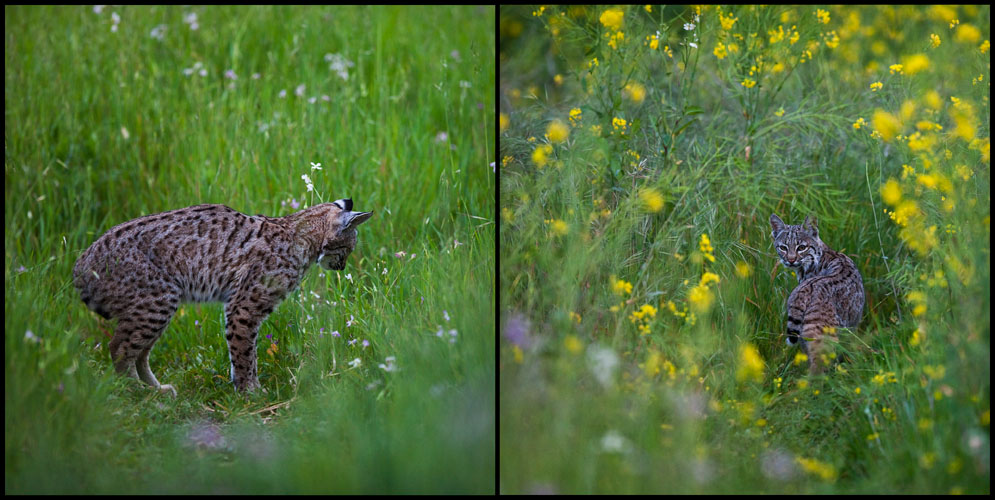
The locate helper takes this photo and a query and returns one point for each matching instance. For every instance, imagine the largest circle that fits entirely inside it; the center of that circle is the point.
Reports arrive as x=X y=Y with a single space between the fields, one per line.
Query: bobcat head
x=340 y=237
x=799 y=247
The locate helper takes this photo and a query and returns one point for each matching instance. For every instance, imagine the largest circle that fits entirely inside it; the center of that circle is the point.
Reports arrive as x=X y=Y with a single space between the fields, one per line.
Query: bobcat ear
x=810 y=225
x=776 y=224
x=352 y=219
x=344 y=204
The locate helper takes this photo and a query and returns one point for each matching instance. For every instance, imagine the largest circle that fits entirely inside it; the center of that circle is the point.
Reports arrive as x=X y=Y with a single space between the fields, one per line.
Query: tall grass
x=625 y=366
x=108 y=117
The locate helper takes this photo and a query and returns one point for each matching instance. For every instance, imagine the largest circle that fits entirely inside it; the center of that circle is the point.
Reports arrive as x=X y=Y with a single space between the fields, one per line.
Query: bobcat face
x=798 y=247
x=340 y=239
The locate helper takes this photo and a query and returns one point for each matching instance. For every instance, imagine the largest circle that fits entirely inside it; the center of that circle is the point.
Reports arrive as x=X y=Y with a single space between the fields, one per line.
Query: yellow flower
x=825 y=471
x=652 y=200
x=573 y=344
x=780 y=112
x=859 y=123
x=885 y=124
x=619 y=124
x=934 y=40
x=575 y=116
x=645 y=312
x=748 y=83
x=800 y=358
x=933 y=100
x=984 y=46
x=751 y=365
x=557 y=131
x=593 y=63
x=776 y=36
x=967 y=33
x=701 y=298
x=621 y=287
x=720 y=51
x=615 y=39
x=540 y=154
x=705 y=245
x=708 y=278
x=649 y=8
x=635 y=91
x=612 y=19
x=891 y=192
x=558 y=227
x=743 y=270
x=822 y=15
x=505 y=122
x=653 y=41
x=832 y=40
x=914 y=63
x=876 y=86
x=558 y=79
x=517 y=352
x=727 y=21
x=895 y=68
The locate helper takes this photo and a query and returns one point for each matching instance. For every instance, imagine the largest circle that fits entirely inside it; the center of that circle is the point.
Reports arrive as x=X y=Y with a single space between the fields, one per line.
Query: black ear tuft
x=348 y=204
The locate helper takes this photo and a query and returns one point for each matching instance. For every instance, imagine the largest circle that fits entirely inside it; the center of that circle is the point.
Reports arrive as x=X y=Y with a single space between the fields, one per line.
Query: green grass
x=591 y=404
x=102 y=127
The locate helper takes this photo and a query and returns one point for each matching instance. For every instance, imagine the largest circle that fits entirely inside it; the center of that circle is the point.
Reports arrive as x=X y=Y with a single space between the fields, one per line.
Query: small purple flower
x=441 y=137
x=282 y=94
x=230 y=74
x=335 y=333
x=294 y=204
x=300 y=90
x=366 y=343
x=445 y=314
x=353 y=341
x=516 y=330
x=206 y=435
x=256 y=76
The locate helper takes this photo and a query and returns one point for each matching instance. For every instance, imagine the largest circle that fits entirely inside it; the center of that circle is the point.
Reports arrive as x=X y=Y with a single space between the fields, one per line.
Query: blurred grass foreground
x=643 y=149
x=379 y=378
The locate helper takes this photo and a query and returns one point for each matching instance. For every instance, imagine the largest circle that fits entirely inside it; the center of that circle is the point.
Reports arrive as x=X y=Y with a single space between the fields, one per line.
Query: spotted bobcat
x=830 y=291
x=140 y=271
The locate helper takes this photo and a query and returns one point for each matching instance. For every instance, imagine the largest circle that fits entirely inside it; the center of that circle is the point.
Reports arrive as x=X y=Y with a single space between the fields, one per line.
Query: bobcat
x=140 y=271
x=830 y=291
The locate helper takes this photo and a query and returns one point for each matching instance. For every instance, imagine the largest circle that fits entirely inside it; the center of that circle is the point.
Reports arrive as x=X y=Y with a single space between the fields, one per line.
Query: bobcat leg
x=133 y=341
x=243 y=314
x=815 y=347
x=145 y=373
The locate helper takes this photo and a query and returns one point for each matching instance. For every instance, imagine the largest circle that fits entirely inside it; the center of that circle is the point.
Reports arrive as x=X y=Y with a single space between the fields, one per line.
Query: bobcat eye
x=782 y=248
x=801 y=247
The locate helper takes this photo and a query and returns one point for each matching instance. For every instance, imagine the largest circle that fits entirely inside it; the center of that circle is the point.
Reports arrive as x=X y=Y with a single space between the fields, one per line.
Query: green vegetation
x=642 y=314
x=116 y=113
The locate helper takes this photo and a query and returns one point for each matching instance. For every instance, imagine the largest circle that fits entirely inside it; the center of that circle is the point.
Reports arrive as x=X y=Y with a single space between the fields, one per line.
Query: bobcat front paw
x=167 y=389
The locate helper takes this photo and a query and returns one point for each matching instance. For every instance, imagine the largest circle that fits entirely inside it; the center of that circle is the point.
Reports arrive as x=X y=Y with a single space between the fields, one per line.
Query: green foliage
x=104 y=126
x=642 y=323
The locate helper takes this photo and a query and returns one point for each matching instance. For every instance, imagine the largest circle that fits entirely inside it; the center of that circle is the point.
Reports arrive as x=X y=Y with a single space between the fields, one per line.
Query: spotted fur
x=140 y=271
x=830 y=291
